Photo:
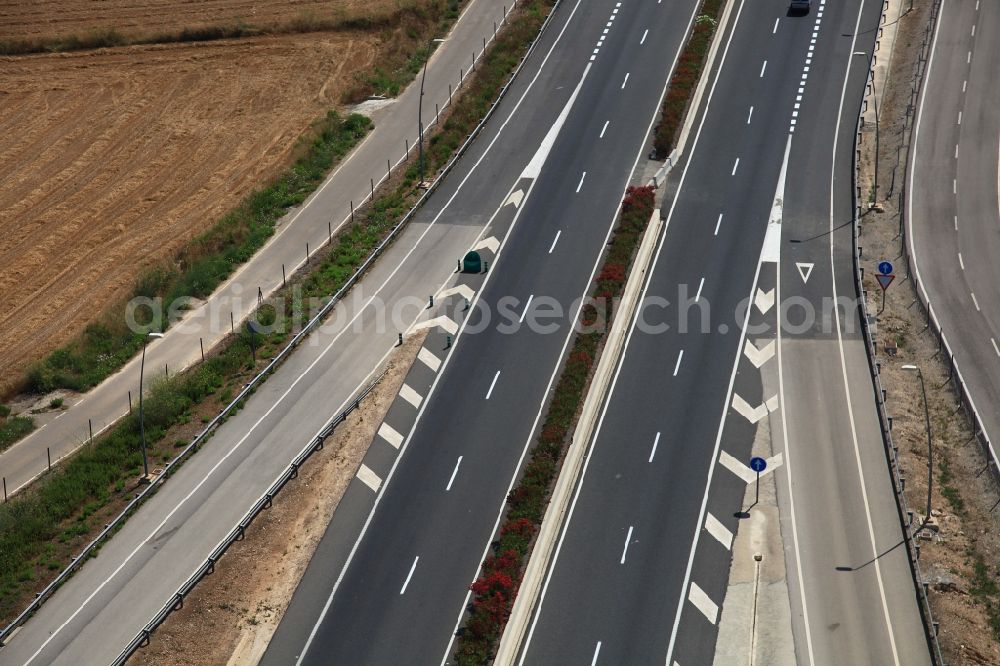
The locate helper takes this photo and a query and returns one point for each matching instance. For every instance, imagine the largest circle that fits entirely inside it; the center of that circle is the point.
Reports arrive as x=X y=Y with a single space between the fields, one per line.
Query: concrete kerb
x=926 y=615
x=555 y=514
x=675 y=155
x=192 y=447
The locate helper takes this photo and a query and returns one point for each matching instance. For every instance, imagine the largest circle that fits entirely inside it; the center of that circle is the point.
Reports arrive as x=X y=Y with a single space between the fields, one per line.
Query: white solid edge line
x=566 y=522
x=843 y=360
x=489 y=275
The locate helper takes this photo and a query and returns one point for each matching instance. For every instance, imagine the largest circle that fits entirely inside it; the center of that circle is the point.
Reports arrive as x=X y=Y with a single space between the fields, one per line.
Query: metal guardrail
x=264 y=502
x=248 y=390
x=891 y=450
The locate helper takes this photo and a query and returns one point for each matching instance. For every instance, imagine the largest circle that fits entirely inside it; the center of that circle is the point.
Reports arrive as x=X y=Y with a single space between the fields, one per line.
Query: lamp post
x=930 y=450
x=420 y=108
x=142 y=423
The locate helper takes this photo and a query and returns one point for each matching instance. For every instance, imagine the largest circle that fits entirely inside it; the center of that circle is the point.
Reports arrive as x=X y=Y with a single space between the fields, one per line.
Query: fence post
x=283 y=285
x=5 y=490
x=329 y=233
x=90 y=427
x=130 y=401
x=201 y=343
x=232 y=325
x=48 y=454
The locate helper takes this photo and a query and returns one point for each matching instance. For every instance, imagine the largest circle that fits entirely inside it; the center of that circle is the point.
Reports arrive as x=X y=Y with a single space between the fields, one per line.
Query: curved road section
x=953 y=214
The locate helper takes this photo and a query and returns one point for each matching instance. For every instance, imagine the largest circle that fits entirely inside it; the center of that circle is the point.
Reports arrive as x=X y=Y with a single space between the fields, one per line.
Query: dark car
x=799 y=6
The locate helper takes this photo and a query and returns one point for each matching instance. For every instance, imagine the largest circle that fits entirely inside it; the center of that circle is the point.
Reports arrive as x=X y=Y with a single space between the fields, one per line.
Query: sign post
x=758 y=465
x=885 y=278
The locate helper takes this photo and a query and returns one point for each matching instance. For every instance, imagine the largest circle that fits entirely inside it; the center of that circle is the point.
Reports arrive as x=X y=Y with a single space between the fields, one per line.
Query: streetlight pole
x=420 y=108
x=142 y=423
x=930 y=449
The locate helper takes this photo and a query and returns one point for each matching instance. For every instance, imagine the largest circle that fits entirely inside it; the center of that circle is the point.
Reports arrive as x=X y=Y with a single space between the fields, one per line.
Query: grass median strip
x=494 y=590
x=42 y=527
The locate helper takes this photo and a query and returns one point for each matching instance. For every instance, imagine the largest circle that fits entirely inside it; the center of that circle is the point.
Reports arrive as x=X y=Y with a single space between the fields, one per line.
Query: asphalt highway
x=952 y=215
x=93 y=616
x=404 y=586
x=629 y=584
x=208 y=322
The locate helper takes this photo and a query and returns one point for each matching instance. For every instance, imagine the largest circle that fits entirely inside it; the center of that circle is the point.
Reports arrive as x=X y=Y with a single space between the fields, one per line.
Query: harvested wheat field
x=48 y=19
x=112 y=158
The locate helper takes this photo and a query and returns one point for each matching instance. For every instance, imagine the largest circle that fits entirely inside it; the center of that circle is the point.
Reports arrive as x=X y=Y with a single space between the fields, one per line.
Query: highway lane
x=627 y=535
x=952 y=214
x=406 y=582
x=93 y=616
x=395 y=126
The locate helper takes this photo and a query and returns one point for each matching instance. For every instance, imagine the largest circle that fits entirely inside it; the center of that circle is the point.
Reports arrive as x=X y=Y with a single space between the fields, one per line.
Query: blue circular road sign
x=884 y=267
x=758 y=464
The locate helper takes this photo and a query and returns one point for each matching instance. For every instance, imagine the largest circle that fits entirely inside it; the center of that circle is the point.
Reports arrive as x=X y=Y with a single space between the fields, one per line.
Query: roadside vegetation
x=43 y=526
x=406 y=13
x=13 y=428
x=500 y=576
x=685 y=77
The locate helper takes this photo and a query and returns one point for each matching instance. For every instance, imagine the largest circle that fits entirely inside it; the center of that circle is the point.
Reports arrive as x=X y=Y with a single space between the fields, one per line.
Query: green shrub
x=13 y=429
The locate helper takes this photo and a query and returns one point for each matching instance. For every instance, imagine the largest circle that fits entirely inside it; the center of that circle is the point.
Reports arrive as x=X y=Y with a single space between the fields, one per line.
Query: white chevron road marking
x=764 y=300
x=758 y=356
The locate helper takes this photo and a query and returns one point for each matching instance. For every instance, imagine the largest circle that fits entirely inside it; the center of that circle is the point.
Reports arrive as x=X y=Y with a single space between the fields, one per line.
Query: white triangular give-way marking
x=758 y=356
x=516 y=197
x=754 y=414
x=805 y=269
x=764 y=300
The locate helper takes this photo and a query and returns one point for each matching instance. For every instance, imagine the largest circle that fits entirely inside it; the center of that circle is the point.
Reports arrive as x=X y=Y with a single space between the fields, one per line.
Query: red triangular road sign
x=885 y=280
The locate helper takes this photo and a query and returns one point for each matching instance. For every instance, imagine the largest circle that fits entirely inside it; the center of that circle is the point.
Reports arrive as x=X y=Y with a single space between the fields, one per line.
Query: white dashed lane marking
x=721 y=533
x=411 y=396
x=391 y=435
x=368 y=477
x=703 y=603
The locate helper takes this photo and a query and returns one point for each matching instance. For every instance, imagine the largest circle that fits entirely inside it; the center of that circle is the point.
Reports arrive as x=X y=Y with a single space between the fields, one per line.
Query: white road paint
x=703 y=603
x=515 y=198
x=656 y=441
x=775 y=31
x=604 y=129
x=736 y=165
x=956 y=223
x=491 y=243
x=493 y=384
x=526 y=306
x=721 y=533
x=368 y=477
x=391 y=435
x=677 y=366
x=697 y=296
x=628 y=540
x=995 y=348
x=975 y=302
x=444 y=322
x=805 y=269
x=407 y=393
x=750 y=115
x=758 y=356
x=954 y=186
x=429 y=359
x=535 y=165
x=738 y=468
x=406 y=582
x=555 y=240
x=764 y=300
x=626 y=80
x=597 y=652
x=643 y=40
x=960 y=262
x=454 y=473
x=754 y=414
x=579 y=185
x=718 y=223
x=762 y=68
x=960 y=114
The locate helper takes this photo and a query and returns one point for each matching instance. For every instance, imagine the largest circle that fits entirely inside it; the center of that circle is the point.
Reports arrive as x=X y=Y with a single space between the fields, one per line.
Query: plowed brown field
x=112 y=158
x=33 y=19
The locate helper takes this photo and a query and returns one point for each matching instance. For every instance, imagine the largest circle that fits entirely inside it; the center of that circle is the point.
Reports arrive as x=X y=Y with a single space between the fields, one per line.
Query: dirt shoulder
x=232 y=614
x=958 y=557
